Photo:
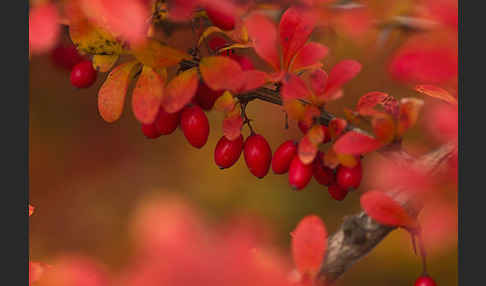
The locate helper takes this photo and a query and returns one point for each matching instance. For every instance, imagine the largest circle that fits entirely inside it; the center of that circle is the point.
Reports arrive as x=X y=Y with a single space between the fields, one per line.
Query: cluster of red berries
x=83 y=75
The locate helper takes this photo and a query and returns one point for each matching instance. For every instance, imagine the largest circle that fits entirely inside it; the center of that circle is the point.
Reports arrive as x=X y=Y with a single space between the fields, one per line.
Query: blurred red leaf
x=368 y=101
x=385 y=210
x=442 y=121
x=309 y=244
x=356 y=143
x=422 y=60
x=309 y=56
x=295 y=28
x=180 y=90
x=44 y=27
x=148 y=94
x=221 y=73
x=383 y=127
x=437 y=92
x=263 y=34
x=111 y=96
x=341 y=73
x=336 y=127
x=181 y=10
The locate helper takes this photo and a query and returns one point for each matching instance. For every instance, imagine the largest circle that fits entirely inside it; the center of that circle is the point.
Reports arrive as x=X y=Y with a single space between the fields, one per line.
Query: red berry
x=299 y=173
x=283 y=156
x=349 y=177
x=205 y=96
x=245 y=62
x=195 y=125
x=323 y=175
x=150 y=131
x=258 y=155
x=327 y=134
x=337 y=192
x=83 y=75
x=425 y=281
x=220 y=19
x=166 y=123
x=216 y=43
x=303 y=127
x=66 y=56
x=227 y=152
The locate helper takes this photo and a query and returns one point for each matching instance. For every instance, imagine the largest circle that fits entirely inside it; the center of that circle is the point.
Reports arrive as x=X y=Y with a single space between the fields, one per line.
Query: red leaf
x=308 y=145
x=385 y=210
x=368 y=101
x=341 y=73
x=253 y=79
x=232 y=124
x=436 y=92
x=180 y=90
x=318 y=81
x=263 y=33
x=294 y=87
x=147 y=95
x=409 y=112
x=111 y=96
x=221 y=73
x=422 y=60
x=309 y=244
x=295 y=28
x=225 y=103
x=309 y=56
x=356 y=143
x=43 y=28
x=336 y=127
x=154 y=54
x=383 y=127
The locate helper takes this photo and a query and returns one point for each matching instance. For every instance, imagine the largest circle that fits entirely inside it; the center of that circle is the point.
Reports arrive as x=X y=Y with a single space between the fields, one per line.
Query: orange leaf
x=295 y=28
x=309 y=244
x=436 y=92
x=263 y=33
x=147 y=95
x=221 y=73
x=308 y=145
x=225 y=103
x=409 y=112
x=180 y=90
x=385 y=210
x=336 y=127
x=294 y=109
x=356 y=143
x=309 y=57
x=157 y=55
x=383 y=127
x=44 y=28
x=331 y=159
x=232 y=124
x=347 y=160
x=253 y=79
x=111 y=95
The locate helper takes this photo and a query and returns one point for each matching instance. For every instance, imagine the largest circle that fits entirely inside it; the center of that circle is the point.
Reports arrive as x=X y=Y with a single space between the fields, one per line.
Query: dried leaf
x=111 y=96
x=180 y=90
x=147 y=95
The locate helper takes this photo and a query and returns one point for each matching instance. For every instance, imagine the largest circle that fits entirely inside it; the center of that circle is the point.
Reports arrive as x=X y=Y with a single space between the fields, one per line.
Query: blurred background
x=87 y=176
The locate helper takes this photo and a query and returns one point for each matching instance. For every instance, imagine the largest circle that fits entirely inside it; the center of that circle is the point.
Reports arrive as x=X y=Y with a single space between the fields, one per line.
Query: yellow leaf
x=104 y=63
x=156 y=55
x=147 y=95
x=225 y=103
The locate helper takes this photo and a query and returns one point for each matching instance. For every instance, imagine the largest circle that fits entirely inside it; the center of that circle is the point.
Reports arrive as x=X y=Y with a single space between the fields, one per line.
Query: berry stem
x=245 y=117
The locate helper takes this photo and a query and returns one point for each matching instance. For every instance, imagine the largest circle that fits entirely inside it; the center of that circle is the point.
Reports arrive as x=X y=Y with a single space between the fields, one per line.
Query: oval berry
x=258 y=155
x=150 y=131
x=224 y=21
x=83 y=75
x=206 y=97
x=349 y=177
x=323 y=175
x=166 y=123
x=195 y=125
x=227 y=152
x=425 y=281
x=283 y=156
x=337 y=192
x=299 y=173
